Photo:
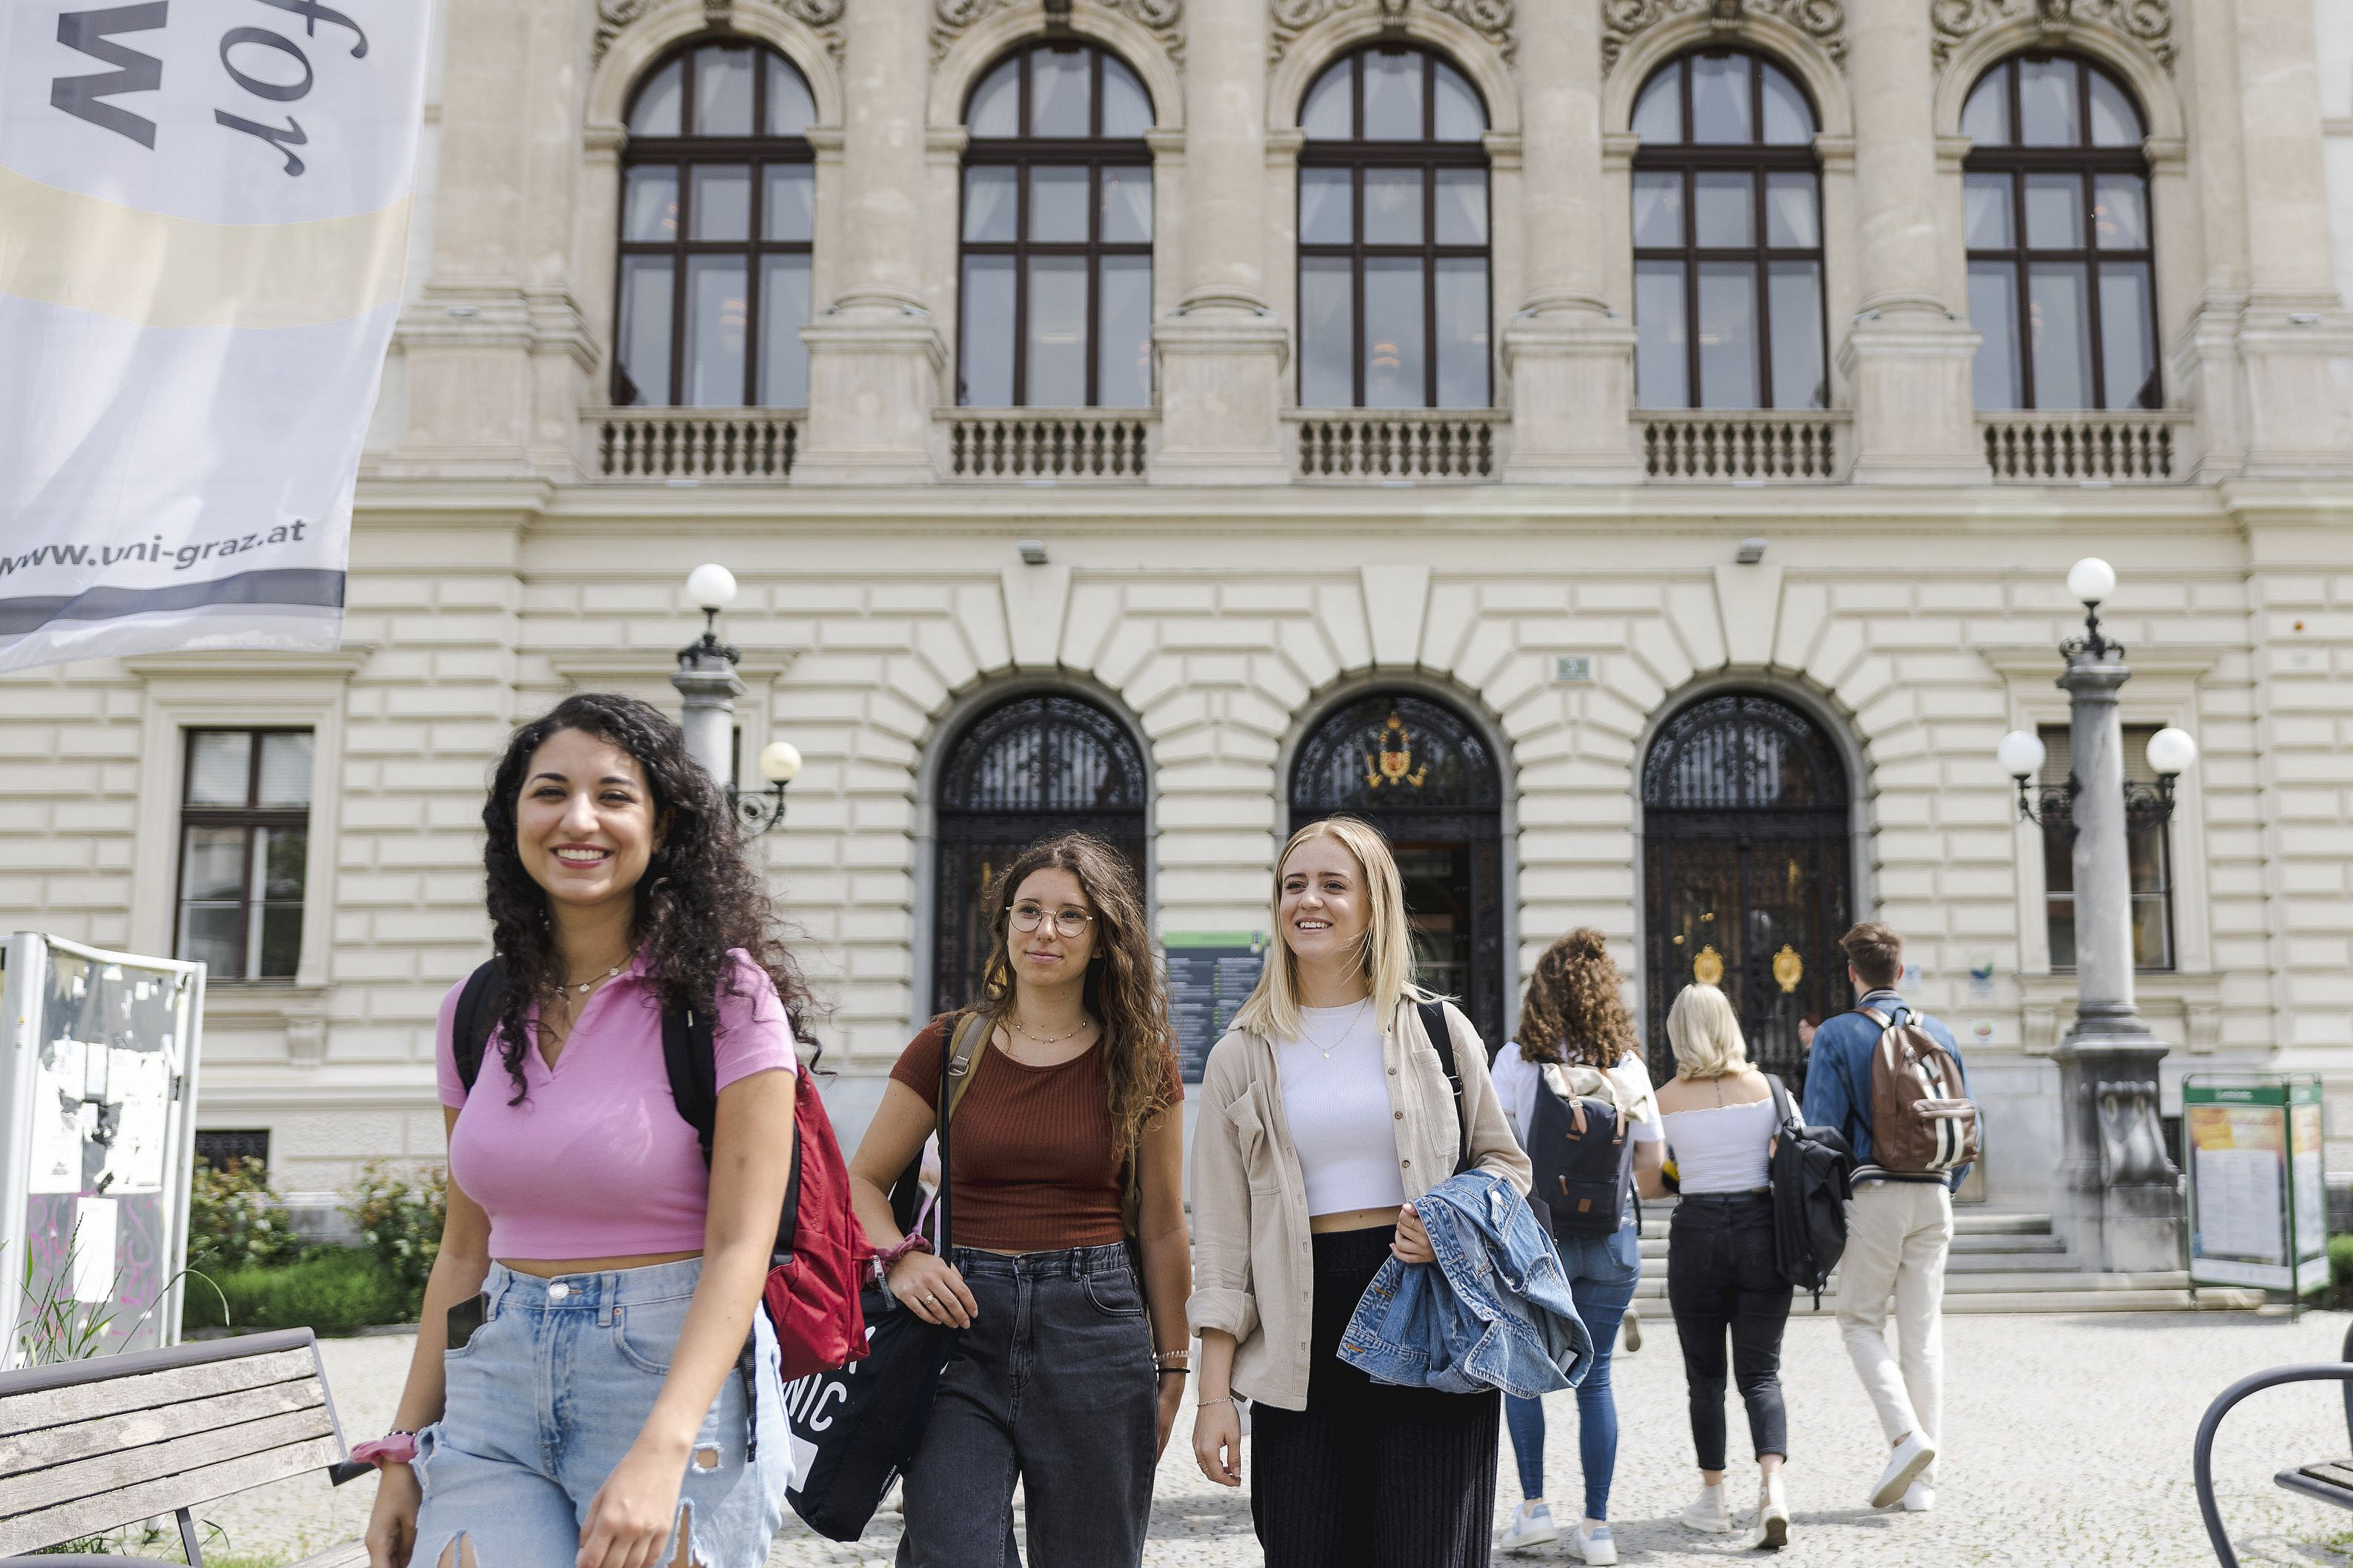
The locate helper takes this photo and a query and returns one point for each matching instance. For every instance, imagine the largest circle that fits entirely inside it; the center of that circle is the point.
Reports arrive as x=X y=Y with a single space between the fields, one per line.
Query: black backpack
x=1584 y=1161
x=1810 y=1168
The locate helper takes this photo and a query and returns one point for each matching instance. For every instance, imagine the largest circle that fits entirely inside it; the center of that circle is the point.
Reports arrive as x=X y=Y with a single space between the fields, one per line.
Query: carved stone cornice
x=2147 y=23
x=1491 y=19
x=823 y=15
x=1623 y=21
x=1165 y=18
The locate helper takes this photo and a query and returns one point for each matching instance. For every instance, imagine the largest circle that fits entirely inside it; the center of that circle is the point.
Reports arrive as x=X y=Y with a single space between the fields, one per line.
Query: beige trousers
x=1897 y=1234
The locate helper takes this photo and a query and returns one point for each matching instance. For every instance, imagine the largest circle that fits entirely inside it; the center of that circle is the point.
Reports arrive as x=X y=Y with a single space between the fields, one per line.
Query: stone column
x=1223 y=355
x=1568 y=351
x=1908 y=354
x=876 y=352
x=707 y=688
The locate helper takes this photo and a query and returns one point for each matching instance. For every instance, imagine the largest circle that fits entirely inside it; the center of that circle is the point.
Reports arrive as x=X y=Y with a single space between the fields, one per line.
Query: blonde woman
x=1721 y=1276
x=1326 y=1114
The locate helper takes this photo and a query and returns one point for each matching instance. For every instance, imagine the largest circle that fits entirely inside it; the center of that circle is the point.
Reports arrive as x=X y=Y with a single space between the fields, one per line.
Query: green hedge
x=332 y=1291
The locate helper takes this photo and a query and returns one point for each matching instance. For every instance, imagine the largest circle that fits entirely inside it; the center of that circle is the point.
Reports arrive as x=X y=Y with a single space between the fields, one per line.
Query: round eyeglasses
x=1069 y=923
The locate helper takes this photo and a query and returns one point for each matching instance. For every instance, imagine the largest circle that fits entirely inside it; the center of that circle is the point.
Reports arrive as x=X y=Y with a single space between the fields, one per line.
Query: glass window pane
x=1460 y=116
x=1126 y=206
x=1985 y=207
x=1995 y=381
x=1327 y=333
x=1727 y=334
x=2055 y=212
x=722 y=203
x=212 y=863
x=2046 y=103
x=995 y=107
x=2060 y=926
x=1393 y=207
x=1127 y=109
x=1659 y=112
x=1724 y=208
x=1326 y=117
x=2127 y=336
x=1463 y=332
x=1392 y=95
x=1794 y=292
x=2063 y=336
x=991 y=203
x=985 y=372
x=722 y=91
x=656 y=112
x=285 y=769
x=278 y=855
x=649 y=204
x=220 y=767
x=1057 y=204
x=1985 y=118
x=1124 y=357
x=2145 y=861
x=1326 y=206
x=1058 y=332
x=1395 y=356
x=208 y=935
x=2114 y=121
x=715 y=331
x=784 y=311
x=643 y=351
x=791 y=110
x=1662 y=361
x=788 y=207
x=281 y=942
x=1658 y=209
x=1789 y=118
x=1793 y=217
x=1062 y=98
x=2120 y=212
x=1462 y=207
x=1720 y=99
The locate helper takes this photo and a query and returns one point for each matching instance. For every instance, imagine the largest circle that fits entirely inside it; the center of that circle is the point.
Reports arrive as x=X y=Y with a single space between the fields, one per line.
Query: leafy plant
x=235 y=1221
x=401 y=1220
x=334 y=1290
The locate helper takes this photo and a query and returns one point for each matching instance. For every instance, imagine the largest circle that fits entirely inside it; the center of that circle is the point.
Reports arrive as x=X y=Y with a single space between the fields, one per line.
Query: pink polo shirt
x=595 y=1162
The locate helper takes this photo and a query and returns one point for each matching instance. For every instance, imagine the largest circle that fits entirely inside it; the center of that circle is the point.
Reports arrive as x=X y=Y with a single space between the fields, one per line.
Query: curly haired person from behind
x=618 y=1405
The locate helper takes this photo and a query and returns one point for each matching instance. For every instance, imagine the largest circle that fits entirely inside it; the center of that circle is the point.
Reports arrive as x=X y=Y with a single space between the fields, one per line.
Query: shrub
x=235 y=1222
x=2340 y=1267
x=401 y=1222
x=332 y=1291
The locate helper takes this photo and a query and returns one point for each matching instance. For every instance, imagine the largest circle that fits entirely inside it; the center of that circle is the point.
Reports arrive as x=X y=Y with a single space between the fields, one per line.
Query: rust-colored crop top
x=1030 y=1158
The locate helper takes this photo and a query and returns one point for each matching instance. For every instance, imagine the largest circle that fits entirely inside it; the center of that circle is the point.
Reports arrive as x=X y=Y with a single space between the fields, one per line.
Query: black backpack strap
x=477 y=1007
x=1441 y=1039
x=690 y=1056
x=1784 y=1107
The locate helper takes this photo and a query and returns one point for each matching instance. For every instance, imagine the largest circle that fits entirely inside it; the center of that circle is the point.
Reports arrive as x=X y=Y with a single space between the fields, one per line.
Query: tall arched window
x=1057 y=299
x=718 y=210
x=2056 y=193
x=1727 y=238
x=1393 y=236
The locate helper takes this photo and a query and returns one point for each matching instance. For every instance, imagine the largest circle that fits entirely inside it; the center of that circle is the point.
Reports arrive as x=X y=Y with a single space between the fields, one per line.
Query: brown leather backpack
x=1923 y=1122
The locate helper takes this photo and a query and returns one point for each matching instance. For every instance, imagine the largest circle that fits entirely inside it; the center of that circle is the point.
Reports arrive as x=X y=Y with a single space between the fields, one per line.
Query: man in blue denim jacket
x=1494 y=1311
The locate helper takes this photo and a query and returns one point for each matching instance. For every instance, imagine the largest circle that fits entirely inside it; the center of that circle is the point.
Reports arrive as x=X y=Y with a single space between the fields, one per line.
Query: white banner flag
x=204 y=212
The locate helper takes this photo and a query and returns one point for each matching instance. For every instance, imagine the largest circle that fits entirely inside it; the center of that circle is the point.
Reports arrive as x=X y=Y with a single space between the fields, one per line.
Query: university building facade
x=1629 y=449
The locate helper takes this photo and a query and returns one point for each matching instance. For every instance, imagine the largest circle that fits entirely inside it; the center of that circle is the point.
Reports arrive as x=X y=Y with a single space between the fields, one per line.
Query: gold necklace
x=1346 y=1029
x=1085 y=1023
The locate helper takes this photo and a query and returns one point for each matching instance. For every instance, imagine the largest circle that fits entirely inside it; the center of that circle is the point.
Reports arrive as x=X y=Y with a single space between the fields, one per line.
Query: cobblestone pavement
x=2070 y=1443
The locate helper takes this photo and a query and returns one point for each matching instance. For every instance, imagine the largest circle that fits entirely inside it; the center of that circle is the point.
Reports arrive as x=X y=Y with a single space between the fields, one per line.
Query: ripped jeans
x=548 y=1396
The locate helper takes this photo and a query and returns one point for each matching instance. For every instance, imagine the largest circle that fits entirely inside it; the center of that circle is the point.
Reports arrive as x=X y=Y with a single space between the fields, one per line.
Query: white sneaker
x=1597 y=1548
x=1772 y=1514
x=1912 y=1455
x=1919 y=1497
x=1531 y=1527
x=1708 y=1513
x=1632 y=1325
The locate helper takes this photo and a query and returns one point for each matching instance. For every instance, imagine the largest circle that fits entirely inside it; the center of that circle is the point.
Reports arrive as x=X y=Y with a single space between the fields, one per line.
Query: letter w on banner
x=203 y=212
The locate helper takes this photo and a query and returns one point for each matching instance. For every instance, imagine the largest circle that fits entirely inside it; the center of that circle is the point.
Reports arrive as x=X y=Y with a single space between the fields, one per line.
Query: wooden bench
x=91 y=1446
x=2328 y=1481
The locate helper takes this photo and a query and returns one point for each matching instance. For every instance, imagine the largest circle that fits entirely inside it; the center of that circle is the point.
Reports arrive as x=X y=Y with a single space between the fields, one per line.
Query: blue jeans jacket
x=1494 y=1311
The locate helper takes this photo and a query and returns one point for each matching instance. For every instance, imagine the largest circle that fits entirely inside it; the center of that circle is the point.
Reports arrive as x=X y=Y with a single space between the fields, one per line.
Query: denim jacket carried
x=1494 y=1311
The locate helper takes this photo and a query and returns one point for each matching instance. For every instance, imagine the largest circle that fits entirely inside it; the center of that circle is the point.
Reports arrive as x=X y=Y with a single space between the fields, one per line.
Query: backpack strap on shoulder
x=1442 y=1040
x=477 y=1007
x=690 y=1056
x=972 y=1031
x=1785 y=1109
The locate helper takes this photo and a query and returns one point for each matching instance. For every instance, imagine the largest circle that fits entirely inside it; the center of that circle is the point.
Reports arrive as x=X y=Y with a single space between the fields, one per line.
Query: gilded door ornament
x=1707 y=969
x=2148 y=24
x=1623 y=21
x=1492 y=19
x=1788 y=968
x=1391 y=760
x=823 y=15
x=1165 y=18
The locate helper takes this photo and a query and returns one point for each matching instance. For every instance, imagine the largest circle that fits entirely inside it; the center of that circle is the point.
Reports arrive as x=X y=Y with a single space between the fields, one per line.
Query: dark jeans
x=1369 y=1476
x=1052 y=1384
x=1721 y=1276
x=1602 y=1273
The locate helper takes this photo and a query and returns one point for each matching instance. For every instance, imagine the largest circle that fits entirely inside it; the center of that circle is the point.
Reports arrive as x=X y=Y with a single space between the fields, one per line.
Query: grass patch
x=332 y=1291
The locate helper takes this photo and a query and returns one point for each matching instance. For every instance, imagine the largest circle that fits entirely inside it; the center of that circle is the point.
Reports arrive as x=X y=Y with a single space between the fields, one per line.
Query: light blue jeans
x=1602 y=1273
x=548 y=1396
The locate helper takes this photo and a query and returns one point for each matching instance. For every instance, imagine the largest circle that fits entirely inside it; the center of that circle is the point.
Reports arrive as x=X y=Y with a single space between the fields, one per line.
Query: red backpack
x=821 y=1254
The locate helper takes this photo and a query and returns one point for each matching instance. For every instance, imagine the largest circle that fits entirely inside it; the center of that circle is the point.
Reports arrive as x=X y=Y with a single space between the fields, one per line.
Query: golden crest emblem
x=1391 y=760
x=1708 y=967
x=1788 y=968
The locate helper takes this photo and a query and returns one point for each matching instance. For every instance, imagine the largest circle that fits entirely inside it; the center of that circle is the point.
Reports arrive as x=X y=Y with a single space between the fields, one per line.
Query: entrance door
x=1745 y=872
x=1032 y=765
x=1418 y=770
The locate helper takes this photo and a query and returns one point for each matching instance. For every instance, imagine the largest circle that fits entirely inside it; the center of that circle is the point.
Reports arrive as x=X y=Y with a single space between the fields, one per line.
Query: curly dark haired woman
x=610 y=1395
x=1053 y=1379
x=1575 y=1038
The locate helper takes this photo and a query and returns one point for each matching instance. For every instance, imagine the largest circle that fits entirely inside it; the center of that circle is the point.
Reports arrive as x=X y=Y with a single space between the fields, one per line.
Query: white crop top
x=1342 y=1125
x=1720 y=1149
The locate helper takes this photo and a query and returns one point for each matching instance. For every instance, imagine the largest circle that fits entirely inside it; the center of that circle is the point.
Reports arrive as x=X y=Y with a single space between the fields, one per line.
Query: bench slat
x=110 y=1510
x=183 y=1458
x=146 y=1391
x=54 y=1446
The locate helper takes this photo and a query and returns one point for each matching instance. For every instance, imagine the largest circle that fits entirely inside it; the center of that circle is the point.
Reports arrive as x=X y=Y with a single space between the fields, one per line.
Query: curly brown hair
x=1122 y=984
x=1572 y=1010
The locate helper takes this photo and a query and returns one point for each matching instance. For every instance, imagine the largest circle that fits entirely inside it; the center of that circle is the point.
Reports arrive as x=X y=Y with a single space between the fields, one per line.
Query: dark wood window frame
x=682 y=151
x=2059 y=865
x=247 y=817
x=1758 y=159
x=1020 y=152
x=1427 y=155
x=2088 y=162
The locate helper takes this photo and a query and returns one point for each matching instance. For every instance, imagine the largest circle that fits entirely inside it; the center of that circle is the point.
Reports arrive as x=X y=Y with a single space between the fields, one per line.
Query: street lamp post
x=2118 y=1195
x=707 y=687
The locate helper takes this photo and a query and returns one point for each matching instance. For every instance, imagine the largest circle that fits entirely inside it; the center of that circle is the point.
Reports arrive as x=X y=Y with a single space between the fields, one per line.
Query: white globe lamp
x=2091 y=580
x=780 y=762
x=711 y=586
x=2171 y=751
x=2020 y=754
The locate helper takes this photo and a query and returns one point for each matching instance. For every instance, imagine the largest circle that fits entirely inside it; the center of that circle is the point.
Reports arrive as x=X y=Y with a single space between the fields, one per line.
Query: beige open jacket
x=1253 y=1265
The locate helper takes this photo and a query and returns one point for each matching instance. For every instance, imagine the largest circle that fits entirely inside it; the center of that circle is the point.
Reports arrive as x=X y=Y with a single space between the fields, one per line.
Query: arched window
x=1727 y=238
x=718 y=209
x=2056 y=193
x=1393 y=236
x=1057 y=299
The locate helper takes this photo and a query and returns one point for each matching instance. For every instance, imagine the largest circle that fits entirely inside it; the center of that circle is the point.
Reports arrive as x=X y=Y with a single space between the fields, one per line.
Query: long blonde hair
x=1706 y=1033
x=1387 y=949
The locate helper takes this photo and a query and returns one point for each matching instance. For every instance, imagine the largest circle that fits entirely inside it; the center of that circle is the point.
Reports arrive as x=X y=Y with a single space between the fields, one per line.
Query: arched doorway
x=1042 y=762
x=1417 y=770
x=1746 y=871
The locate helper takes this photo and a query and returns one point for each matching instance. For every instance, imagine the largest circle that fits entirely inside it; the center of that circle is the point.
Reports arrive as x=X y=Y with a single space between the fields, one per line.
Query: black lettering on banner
x=276 y=92
x=87 y=31
x=292 y=136
x=312 y=14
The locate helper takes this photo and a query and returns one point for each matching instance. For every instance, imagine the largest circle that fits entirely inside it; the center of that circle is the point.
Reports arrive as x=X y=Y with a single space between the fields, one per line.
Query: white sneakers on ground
x=1597 y=1548
x=1772 y=1513
x=1532 y=1527
x=1632 y=1325
x=1912 y=1455
x=1708 y=1513
x=1919 y=1497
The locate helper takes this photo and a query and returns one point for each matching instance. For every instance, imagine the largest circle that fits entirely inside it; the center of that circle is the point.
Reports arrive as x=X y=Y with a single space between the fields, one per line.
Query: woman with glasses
x=1068 y=1369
